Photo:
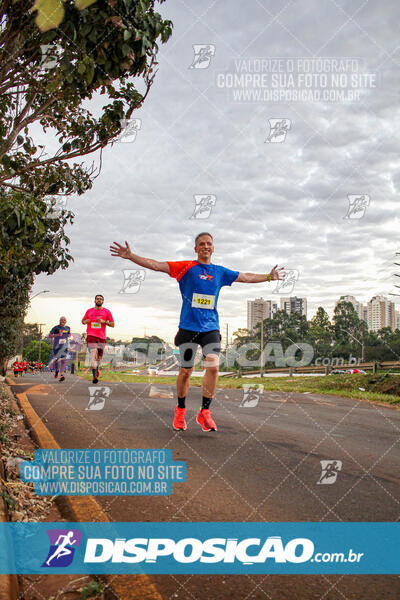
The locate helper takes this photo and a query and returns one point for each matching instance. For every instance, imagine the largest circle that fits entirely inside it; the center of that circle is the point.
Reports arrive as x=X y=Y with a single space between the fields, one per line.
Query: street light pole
x=37 y=294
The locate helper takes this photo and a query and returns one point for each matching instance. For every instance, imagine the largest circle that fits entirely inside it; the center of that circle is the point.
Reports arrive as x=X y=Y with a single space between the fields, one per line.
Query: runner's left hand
x=276 y=273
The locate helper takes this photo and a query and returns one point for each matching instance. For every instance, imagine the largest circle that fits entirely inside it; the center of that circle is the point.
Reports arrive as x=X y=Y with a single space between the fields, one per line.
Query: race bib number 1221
x=203 y=301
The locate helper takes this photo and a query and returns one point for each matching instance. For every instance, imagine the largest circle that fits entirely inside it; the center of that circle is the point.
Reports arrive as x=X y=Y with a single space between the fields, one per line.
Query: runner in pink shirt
x=96 y=319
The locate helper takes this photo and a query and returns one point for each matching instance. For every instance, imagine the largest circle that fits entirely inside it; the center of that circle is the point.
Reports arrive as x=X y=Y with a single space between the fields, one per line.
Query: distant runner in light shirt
x=97 y=319
x=59 y=334
x=200 y=282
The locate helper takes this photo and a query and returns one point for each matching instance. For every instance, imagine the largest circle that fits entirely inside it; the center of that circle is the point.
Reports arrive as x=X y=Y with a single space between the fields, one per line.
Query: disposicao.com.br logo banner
x=213 y=548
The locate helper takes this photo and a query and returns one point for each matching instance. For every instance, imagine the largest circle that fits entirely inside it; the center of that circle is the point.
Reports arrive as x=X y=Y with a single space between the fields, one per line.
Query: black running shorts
x=188 y=341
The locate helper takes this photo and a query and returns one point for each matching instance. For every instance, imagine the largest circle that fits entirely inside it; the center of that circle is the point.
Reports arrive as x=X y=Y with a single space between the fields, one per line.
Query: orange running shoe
x=179 y=422
x=205 y=419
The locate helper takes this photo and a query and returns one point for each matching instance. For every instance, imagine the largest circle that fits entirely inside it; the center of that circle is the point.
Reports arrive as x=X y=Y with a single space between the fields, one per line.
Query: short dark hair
x=101 y=296
x=203 y=233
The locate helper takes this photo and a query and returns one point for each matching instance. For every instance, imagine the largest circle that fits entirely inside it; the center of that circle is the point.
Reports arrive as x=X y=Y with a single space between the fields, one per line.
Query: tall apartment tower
x=294 y=304
x=365 y=312
x=259 y=309
x=381 y=313
x=358 y=307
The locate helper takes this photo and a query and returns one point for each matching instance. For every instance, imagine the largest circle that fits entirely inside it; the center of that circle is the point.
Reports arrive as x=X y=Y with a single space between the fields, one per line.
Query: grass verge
x=378 y=388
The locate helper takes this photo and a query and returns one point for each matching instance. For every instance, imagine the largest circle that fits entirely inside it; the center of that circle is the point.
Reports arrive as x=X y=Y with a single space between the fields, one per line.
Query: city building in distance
x=258 y=310
x=294 y=304
x=358 y=306
x=379 y=312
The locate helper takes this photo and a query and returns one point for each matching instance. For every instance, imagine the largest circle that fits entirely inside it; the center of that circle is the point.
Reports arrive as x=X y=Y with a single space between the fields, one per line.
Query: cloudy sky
x=280 y=198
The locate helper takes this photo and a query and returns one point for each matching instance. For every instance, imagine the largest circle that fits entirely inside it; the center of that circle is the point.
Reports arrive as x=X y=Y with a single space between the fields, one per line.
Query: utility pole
x=40 y=340
x=396 y=275
x=227 y=344
x=262 y=344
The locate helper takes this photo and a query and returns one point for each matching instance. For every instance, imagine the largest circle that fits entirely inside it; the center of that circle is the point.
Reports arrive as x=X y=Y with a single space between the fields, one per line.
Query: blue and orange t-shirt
x=200 y=285
x=62 y=333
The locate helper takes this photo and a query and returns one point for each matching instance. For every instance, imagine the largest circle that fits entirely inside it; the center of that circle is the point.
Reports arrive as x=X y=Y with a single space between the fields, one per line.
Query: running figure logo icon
x=330 y=470
x=251 y=395
x=50 y=55
x=203 y=54
x=62 y=547
x=75 y=342
x=97 y=397
x=129 y=127
x=286 y=285
x=132 y=280
x=278 y=129
x=358 y=204
x=158 y=392
x=203 y=204
x=55 y=207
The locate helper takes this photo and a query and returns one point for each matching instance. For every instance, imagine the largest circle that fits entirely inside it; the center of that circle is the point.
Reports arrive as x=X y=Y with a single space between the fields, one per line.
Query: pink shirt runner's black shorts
x=96 y=342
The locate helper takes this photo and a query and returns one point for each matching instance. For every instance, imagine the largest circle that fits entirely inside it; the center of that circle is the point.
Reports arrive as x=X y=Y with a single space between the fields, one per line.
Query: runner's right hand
x=122 y=251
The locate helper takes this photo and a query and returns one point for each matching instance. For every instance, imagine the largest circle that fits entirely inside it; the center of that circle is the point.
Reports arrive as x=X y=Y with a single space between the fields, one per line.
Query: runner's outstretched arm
x=260 y=277
x=148 y=263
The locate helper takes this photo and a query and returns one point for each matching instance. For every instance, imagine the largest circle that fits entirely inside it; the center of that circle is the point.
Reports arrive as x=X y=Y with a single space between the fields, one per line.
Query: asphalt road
x=263 y=464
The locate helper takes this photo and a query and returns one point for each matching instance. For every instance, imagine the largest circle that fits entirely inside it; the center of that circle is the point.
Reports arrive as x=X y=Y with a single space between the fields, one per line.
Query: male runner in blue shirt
x=200 y=282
